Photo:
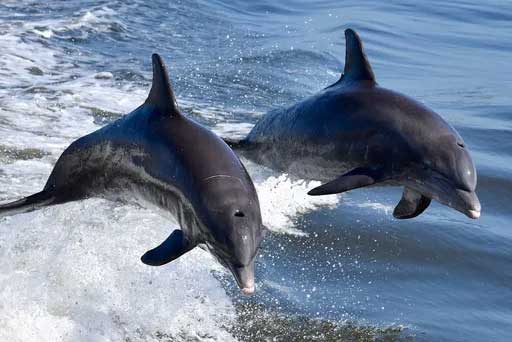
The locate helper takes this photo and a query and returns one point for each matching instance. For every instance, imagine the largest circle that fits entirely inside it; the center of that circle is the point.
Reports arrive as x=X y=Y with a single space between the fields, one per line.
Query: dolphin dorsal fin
x=357 y=67
x=161 y=95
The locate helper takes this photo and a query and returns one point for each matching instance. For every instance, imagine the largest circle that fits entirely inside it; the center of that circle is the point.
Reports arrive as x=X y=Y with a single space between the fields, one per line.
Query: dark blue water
x=332 y=271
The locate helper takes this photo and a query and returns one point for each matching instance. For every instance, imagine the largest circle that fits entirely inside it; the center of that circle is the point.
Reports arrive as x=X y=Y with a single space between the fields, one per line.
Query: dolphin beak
x=244 y=276
x=473 y=214
x=472 y=206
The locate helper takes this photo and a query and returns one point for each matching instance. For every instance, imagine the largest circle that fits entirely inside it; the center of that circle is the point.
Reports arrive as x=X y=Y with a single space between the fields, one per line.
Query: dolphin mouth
x=244 y=276
x=248 y=290
x=474 y=214
x=470 y=202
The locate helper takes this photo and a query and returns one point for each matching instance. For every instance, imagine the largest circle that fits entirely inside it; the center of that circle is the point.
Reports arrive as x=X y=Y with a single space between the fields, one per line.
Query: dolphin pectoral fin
x=172 y=248
x=357 y=178
x=411 y=205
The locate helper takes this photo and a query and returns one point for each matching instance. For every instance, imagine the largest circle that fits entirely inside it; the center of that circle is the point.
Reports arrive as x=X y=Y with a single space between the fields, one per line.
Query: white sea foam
x=31 y=64
x=387 y=209
x=232 y=130
x=98 y=19
x=282 y=199
x=71 y=275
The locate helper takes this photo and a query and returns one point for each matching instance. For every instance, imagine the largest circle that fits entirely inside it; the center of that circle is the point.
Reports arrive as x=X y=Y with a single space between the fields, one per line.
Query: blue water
x=338 y=270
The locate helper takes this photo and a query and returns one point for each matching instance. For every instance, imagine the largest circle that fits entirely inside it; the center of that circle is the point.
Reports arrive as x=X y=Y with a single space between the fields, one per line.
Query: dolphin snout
x=472 y=207
x=473 y=214
x=244 y=276
x=249 y=290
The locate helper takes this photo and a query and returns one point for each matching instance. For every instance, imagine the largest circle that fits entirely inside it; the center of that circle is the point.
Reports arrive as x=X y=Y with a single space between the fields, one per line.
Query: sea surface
x=334 y=268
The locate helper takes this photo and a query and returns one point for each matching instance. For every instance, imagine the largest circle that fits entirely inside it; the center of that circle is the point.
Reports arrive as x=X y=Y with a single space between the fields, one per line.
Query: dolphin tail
x=30 y=203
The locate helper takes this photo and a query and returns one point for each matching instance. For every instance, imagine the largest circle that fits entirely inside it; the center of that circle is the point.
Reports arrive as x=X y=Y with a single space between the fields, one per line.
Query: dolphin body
x=355 y=133
x=158 y=155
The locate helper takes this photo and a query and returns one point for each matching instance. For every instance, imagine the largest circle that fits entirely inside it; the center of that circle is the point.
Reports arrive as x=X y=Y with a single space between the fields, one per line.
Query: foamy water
x=73 y=274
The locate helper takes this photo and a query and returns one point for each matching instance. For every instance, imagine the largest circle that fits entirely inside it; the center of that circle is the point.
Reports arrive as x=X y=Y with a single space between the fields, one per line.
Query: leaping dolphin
x=355 y=133
x=157 y=154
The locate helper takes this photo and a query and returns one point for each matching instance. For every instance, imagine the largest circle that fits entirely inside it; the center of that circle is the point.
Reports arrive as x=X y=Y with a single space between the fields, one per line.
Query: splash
x=282 y=198
x=70 y=275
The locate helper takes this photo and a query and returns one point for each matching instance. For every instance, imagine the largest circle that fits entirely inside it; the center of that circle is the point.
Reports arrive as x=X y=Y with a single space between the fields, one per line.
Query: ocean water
x=334 y=268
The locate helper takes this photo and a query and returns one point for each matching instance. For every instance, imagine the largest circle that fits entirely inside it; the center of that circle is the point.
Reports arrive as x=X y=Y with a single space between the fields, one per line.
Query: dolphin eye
x=461 y=144
x=239 y=213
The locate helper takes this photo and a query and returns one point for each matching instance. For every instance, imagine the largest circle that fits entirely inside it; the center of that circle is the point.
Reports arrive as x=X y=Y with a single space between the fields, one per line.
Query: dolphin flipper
x=29 y=203
x=357 y=178
x=411 y=205
x=172 y=248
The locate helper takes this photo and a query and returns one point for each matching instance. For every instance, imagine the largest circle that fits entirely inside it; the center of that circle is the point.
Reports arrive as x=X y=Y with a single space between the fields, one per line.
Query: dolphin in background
x=355 y=133
x=158 y=155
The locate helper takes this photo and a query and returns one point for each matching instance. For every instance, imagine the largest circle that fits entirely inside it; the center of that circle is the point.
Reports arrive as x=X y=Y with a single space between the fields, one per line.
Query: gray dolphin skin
x=355 y=133
x=158 y=155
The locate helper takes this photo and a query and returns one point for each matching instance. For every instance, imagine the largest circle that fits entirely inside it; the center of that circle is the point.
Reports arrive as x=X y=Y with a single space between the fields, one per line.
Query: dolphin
x=158 y=155
x=355 y=133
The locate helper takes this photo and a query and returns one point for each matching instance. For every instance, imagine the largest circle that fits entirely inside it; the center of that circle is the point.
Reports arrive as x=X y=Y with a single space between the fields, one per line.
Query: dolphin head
x=233 y=221
x=443 y=169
